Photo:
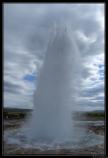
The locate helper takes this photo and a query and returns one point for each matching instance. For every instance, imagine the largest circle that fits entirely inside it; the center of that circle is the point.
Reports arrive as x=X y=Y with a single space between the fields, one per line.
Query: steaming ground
x=17 y=138
x=15 y=141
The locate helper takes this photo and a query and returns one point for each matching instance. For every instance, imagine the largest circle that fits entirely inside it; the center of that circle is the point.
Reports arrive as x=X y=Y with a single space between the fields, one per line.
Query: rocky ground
x=15 y=150
x=10 y=149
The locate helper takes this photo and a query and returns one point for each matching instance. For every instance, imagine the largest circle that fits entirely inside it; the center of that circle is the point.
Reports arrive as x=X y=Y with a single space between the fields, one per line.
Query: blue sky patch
x=30 y=78
x=101 y=71
x=101 y=77
x=101 y=66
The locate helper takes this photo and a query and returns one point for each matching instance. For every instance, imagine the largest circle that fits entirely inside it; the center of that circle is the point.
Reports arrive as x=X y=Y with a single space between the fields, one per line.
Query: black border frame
x=105 y=89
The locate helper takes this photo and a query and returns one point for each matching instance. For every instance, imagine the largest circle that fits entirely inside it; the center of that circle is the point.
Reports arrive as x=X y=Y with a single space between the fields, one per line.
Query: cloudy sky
x=27 y=30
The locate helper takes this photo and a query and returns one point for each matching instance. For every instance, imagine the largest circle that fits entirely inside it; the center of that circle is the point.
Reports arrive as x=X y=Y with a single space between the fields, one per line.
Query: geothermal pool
x=15 y=137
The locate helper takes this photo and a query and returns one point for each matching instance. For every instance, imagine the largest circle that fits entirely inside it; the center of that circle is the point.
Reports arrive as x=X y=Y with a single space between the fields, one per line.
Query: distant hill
x=9 y=109
x=20 y=113
x=6 y=109
x=12 y=113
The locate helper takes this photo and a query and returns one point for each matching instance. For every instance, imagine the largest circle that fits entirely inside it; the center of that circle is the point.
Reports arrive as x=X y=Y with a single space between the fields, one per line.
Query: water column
x=54 y=99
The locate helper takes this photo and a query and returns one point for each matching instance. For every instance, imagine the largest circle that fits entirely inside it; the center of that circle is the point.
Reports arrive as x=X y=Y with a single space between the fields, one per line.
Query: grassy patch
x=95 y=114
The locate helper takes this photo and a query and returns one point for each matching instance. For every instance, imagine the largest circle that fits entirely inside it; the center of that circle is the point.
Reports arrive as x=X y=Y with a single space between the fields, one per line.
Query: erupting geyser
x=54 y=98
x=52 y=125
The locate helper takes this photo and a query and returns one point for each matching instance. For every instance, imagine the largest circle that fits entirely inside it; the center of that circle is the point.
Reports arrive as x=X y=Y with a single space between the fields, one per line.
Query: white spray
x=58 y=82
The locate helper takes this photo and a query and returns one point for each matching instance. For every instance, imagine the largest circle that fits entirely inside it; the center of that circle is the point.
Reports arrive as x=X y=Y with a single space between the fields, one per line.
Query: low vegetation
x=13 y=113
x=90 y=115
x=97 y=114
